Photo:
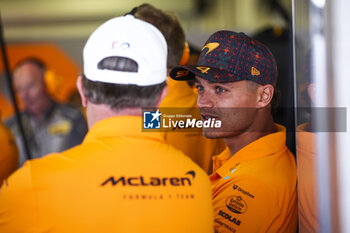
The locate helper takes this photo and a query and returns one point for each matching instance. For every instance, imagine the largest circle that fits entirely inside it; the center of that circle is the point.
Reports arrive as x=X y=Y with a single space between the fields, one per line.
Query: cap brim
x=189 y=72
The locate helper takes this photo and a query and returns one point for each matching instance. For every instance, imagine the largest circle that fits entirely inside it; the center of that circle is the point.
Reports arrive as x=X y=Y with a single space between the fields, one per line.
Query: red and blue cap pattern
x=229 y=57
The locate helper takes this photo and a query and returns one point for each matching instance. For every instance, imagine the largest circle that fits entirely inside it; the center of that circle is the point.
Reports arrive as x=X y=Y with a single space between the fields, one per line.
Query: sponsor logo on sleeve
x=236 y=204
x=228 y=227
x=229 y=217
x=239 y=189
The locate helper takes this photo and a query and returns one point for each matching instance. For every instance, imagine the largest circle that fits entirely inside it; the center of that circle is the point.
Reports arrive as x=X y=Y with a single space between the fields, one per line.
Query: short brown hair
x=170 y=27
x=119 y=96
x=31 y=60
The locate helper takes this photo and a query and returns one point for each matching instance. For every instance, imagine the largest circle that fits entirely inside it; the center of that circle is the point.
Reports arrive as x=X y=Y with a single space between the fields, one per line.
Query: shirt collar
x=260 y=148
x=175 y=86
x=120 y=126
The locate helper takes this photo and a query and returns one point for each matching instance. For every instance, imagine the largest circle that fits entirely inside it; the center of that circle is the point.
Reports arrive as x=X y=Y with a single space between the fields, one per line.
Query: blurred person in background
x=49 y=126
x=254 y=178
x=120 y=179
x=181 y=97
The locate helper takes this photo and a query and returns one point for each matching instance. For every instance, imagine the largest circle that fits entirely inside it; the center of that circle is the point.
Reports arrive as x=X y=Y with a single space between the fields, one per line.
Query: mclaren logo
x=255 y=71
x=210 y=46
x=181 y=73
x=186 y=180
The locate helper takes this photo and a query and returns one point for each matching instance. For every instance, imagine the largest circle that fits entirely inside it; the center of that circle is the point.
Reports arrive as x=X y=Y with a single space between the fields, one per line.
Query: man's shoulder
x=276 y=166
x=274 y=171
x=51 y=163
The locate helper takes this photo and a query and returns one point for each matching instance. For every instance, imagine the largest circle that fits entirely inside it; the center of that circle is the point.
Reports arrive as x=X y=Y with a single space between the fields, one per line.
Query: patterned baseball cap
x=228 y=57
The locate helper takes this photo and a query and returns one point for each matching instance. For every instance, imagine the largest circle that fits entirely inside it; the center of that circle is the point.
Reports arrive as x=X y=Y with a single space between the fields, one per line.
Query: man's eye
x=219 y=89
x=199 y=88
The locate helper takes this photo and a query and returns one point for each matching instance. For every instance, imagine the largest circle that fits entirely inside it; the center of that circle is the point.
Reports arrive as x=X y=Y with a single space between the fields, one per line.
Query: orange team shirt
x=193 y=144
x=9 y=160
x=255 y=189
x=119 y=179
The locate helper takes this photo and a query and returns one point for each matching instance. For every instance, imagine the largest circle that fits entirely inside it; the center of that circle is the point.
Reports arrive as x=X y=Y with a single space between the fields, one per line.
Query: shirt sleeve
x=244 y=205
x=17 y=202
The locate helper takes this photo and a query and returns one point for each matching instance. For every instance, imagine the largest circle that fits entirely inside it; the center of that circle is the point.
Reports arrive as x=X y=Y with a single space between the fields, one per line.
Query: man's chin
x=211 y=134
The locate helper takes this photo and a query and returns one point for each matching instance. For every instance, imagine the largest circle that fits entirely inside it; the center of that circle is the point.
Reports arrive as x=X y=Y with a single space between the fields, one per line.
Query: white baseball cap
x=131 y=38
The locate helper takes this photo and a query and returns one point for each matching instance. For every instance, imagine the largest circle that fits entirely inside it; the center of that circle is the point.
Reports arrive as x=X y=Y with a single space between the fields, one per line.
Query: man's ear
x=162 y=95
x=80 y=88
x=265 y=94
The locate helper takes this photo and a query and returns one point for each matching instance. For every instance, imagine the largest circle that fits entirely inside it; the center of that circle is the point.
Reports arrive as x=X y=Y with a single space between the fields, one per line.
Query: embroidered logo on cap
x=181 y=73
x=210 y=46
x=122 y=45
x=255 y=71
x=203 y=69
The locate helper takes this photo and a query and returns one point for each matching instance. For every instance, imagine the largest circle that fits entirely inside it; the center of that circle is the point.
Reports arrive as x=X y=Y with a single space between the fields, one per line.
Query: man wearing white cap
x=119 y=179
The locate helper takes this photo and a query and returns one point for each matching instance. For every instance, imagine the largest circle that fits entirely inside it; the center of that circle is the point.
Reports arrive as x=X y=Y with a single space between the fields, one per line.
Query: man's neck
x=98 y=112
x=261 y=129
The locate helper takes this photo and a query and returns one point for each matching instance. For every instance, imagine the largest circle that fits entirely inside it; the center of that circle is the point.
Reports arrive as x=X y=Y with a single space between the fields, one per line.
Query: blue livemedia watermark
x=170 y=120
x=151 y=120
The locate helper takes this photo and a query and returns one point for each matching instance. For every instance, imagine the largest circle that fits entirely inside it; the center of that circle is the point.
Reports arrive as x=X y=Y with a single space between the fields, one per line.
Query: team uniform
x=255 y=189
x=9 y=153
x=182 y=97
x=62 y=128
x=119 y=179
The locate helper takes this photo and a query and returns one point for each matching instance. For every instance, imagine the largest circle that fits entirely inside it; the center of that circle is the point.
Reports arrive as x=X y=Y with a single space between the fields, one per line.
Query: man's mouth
x=207 y=116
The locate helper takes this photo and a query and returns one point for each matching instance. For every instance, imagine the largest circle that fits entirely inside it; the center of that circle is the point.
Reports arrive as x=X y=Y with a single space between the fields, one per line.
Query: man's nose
x=23 y=94
x=205 y=100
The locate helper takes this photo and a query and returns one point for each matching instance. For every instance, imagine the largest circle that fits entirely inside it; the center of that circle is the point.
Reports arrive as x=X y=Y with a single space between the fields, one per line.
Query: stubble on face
x=232 y=103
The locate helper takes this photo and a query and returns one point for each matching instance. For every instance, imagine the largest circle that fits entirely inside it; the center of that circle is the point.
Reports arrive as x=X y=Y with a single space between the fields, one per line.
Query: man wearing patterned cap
x=254 y=179
x=120 y=179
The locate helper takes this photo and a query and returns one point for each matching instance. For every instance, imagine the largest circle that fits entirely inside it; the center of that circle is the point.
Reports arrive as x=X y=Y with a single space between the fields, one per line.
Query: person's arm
x=244 y=205
x=18 y=202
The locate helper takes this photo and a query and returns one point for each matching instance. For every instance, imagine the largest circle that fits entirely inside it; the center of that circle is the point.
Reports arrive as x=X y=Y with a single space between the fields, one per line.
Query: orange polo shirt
x=119 y=179
x=255 y=189
x=193 y=144
x=9 y=160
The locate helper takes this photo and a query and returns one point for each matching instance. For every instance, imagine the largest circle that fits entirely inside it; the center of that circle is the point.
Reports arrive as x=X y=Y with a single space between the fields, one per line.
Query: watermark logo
x=151 y=120
x=168 y=119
